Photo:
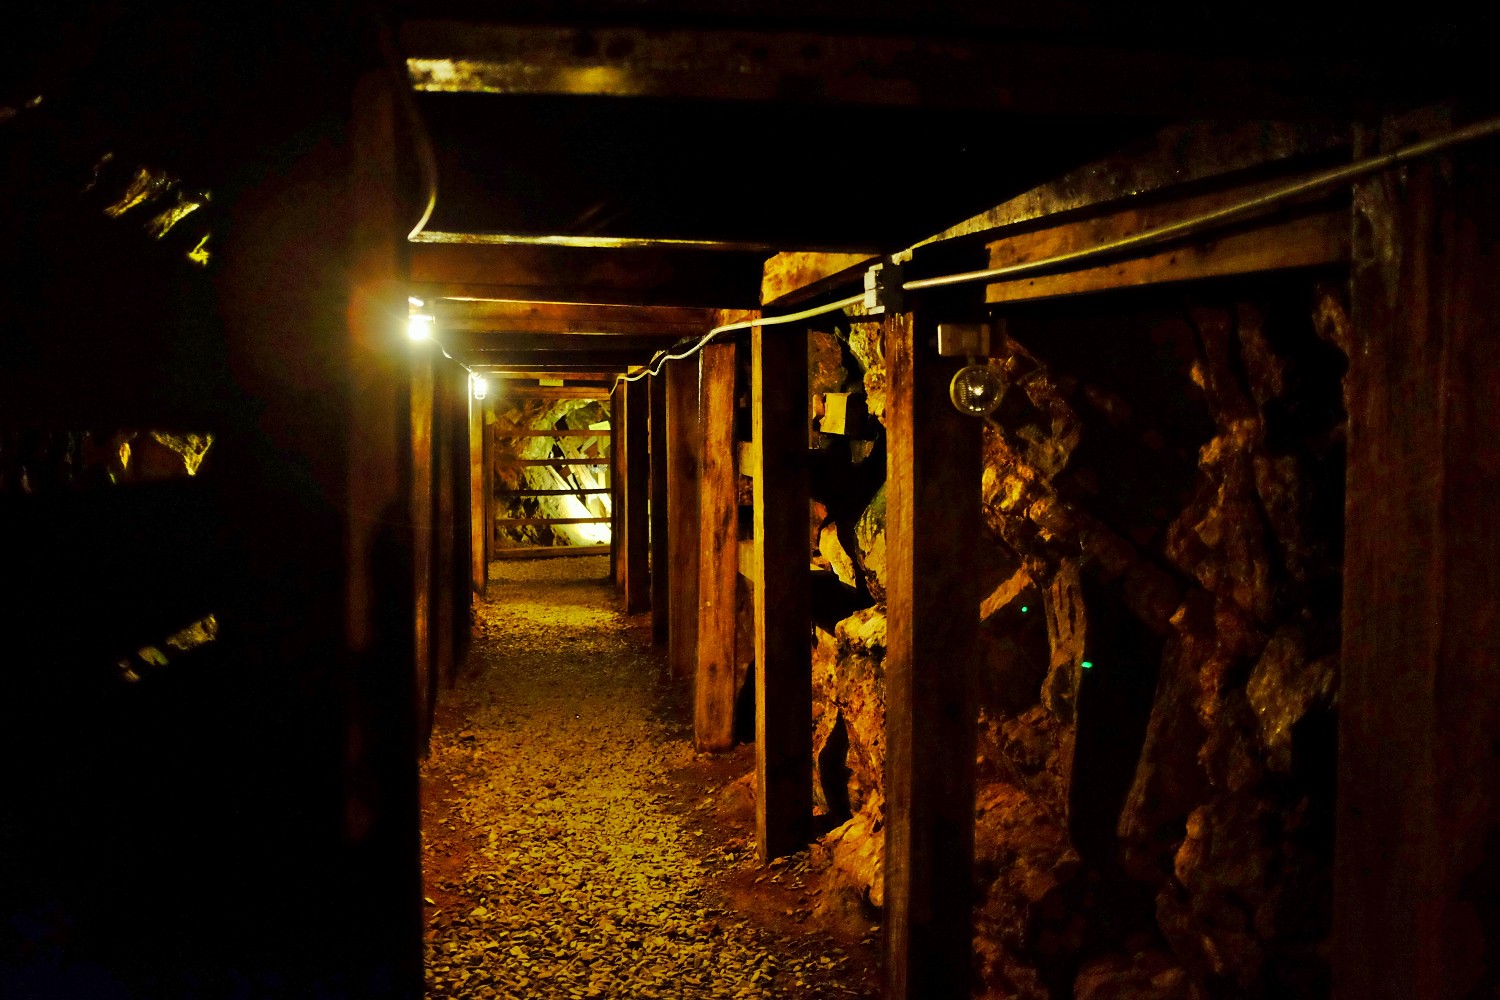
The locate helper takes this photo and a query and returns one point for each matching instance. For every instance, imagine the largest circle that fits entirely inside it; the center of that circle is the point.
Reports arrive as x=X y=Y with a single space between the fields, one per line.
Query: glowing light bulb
x=419 y=326
x=481 y=387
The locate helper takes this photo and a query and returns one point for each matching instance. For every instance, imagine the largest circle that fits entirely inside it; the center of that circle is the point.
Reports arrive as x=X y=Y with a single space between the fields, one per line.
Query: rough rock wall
x=1163 y=488
x=550 y=414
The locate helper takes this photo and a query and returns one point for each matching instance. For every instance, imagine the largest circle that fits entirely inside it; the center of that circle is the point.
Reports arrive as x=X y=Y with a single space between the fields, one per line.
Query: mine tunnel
x=798 y=500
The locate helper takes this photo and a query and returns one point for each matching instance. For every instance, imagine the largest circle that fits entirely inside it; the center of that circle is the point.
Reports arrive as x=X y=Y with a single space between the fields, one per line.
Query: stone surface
x=1285 y=687
x=869 y=535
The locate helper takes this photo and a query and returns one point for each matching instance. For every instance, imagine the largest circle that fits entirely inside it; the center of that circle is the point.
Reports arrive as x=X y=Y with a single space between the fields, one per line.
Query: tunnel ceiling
x=788 y=176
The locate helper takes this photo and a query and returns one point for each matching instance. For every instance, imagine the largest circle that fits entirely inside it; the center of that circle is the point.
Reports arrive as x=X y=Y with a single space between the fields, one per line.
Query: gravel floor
x=562 y=856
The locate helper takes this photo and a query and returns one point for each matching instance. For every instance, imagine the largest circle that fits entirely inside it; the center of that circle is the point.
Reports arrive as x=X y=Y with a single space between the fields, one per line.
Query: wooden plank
x=478 y=562
x=933 y=517
x=601 y=359
x=682 y=529
x=789 y=278
x=656 y=275
x=1418 y=713
x=549 y=493
x=617 y=485
x=1317 y=240
x=783 y=602
x=422 y=514
x=550 y=551
x=491 y=454
x=445 y=648
x=478 y=342
x=558 y=392
x=567 y=432
x=893 y=70
x=1194 y=156
x=515 y=521
x=564 y=318
x=718 y=520
x=635 y=475
x=506 y=462
x=660 y=562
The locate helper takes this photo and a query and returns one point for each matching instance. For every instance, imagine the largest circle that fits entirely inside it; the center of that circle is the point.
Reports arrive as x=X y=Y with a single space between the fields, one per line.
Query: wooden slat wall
x=718 y=518
x=783 y=604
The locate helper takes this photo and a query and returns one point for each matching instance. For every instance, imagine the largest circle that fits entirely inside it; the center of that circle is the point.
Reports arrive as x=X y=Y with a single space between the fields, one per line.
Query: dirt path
x=573 y=843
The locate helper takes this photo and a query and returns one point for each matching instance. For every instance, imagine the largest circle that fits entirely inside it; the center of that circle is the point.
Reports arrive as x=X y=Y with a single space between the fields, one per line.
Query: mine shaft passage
x=574 y=845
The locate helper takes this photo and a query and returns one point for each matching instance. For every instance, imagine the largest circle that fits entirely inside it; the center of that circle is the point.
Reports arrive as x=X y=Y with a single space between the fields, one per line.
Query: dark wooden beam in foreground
x=783 y=602
x=895 y=70
x=682 y=502
x=656 y=388
x=1419 y=707
x=652 y=276
x=933 y=517
x=718 y=524
x=635 y=474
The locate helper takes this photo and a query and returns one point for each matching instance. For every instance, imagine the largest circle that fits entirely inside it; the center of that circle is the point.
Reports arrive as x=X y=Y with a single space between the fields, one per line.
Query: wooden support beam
x=551 y=551
x=682 y=530
x=569 y=432
x=617 y=484
x=1418 y=778
x=601 y=358
x=511 y=316
x=444 y=602
x=895 y=70
x=656 y=387
x=652 y=276
x=718 y=521
x=783 y=603
x=933 y=517
x=491 y=457
x=422 y=519
x=790 y=278
x=598 y=393
x=478 y=343
x=478 y=487
x=635 y=473
x=1319 y=239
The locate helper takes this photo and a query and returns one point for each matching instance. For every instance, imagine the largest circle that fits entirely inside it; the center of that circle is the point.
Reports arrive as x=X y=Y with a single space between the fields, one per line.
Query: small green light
x=1024 y=609
x=1088 y=664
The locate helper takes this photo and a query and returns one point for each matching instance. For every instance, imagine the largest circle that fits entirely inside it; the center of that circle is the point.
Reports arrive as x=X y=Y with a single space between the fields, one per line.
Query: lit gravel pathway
x=557 y=864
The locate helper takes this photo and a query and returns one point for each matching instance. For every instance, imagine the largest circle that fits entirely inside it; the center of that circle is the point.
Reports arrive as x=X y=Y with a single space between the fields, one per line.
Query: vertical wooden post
x=487 y=436
x=682 y=531
x=478 y=556
x=637 y=482
x=718 y=537
x=422 y=385
x=660 y=570
x=783 y=608
x=617 y=487
x=933 y=518
x=445 y=648
x=1419 y=707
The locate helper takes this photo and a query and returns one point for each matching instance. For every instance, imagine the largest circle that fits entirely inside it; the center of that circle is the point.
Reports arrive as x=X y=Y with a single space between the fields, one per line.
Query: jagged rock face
x=1162 y=497
x=538 y=414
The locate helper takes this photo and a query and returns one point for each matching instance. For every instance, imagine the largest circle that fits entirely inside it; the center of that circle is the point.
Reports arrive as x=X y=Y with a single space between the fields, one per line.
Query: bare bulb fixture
x=419 y=326
x=976 y=390
x=481 y=388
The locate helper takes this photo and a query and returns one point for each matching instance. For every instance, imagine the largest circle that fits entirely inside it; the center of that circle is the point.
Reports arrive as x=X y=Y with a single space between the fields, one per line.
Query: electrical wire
x=1488 y=128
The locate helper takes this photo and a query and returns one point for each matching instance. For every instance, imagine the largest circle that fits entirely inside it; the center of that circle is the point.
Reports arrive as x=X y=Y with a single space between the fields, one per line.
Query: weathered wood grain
x=444 y=609
x=478 y=526
x=783 y=609
x=635 y=472
x=660 y=562
x=1418 y=778
x=713 y=714
x=617 y=484
x=1317 y=240
x=933 y=517
x=682 y=529
x=791 y=277
x=422 y=512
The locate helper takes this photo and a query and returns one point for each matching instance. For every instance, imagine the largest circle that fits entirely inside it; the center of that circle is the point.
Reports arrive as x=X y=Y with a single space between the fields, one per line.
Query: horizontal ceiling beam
x=667 y=276
x=599 y=321
x=559 y=342
x=556 y=360
x=891 y=71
